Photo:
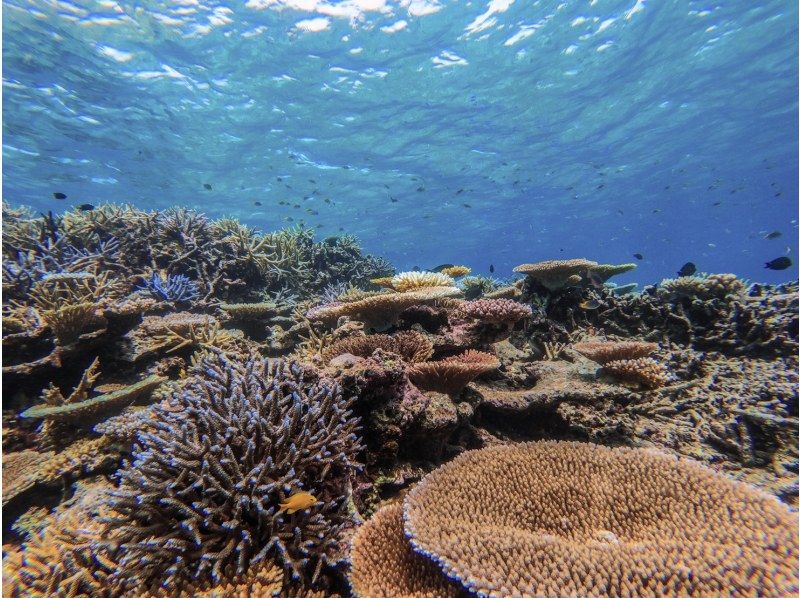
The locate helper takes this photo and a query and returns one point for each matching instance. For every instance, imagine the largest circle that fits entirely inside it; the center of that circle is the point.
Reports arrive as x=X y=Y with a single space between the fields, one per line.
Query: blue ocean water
x=468 y=132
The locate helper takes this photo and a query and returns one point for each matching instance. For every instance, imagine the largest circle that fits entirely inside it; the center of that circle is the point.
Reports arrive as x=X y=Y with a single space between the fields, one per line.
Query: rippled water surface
x=475 y=132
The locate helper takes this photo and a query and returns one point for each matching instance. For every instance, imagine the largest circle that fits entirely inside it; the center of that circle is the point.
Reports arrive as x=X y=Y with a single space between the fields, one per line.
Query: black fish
x=780 y=263
x=59 y=195
x=773 y=235
x=420 y=189
x=85 y=207
x=256 y=203
x=638 y=256
x=687 y=269
x=491 y=268
x=392 y=199
x=466 y=205
x=207 y=186
x=442 y=267
x=415 y=269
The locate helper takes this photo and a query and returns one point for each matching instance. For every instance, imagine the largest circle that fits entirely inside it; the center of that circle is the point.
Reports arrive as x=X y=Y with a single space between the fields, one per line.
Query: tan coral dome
x=385 y=566
x=576 y=519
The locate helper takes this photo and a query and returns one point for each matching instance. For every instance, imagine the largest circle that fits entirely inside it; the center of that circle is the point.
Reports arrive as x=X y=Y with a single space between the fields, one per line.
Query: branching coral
x=643 y=370
x=214 y=473
x=72 y=411
x=176 y=288
x=604 y=351
x=556 y=518
x=452 y=374
x=711 y=286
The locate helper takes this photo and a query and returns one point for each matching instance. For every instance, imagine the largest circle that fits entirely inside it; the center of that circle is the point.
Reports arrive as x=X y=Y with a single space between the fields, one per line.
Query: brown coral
x=711 y=286
x=452 y=374
x=385 y=566
x=72 y=411
x=495 y=311
x=456 y=271
x=604 y=351
x=576 y=519
x=556 y=274
x=21 y=472
x=412 y=281
x=644 y=370
x=410 y=345
x=382 y=310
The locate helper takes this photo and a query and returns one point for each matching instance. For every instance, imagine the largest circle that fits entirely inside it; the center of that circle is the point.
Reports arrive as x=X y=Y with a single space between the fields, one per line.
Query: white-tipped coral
x=411 y=281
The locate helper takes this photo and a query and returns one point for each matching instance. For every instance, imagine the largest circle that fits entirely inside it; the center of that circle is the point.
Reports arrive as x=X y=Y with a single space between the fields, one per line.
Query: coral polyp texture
x=555 y=518
x=409 y=281
x=452 y=374
x=211 y=475
x=385 y=566
x=194 y=407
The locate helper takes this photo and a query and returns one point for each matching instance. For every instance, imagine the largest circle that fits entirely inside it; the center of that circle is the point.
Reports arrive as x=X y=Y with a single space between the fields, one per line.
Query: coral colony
x=203 y=409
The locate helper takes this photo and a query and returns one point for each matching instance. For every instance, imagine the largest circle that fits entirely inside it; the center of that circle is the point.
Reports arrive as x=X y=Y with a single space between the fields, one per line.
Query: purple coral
x=200 y=499
x=176 y=288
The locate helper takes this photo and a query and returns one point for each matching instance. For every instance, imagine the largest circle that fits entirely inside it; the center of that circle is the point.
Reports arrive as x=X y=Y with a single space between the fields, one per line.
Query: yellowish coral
x=456 y=271
x=383 y=281
x=644 y=370
x=577 y=519
x=385 y=566
x=411 y=281
x=605 y=351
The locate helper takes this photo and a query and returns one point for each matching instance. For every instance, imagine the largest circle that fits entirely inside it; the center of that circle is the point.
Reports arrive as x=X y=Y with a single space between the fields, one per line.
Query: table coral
x=452 y=374
x=411 y=281
x=565 y=517
x=556 y=274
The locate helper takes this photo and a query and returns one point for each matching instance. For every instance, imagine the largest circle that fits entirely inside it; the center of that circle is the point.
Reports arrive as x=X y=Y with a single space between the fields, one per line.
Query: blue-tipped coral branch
x=176 y=288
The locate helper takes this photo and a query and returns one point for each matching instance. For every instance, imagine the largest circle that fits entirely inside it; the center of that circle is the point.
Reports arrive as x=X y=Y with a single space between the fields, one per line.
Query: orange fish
x=297 y=502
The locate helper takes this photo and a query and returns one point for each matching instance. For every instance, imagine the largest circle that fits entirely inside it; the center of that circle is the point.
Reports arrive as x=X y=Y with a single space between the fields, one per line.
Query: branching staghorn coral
x=175 y=288
x=213 y=474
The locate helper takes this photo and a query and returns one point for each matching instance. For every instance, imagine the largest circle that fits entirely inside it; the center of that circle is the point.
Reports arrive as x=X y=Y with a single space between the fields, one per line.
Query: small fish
x=85 y=207
x=491 y=268
x=256 y=203
x=773 y=235
x=59 y=195
x=638 y=256
x=620 y=212
x=717 y=203
x=442 y=267
x=207 y=186
x=415 y=269
x=298 y=502
x=459 y=192
x=687 y=269
x=466 y=205
x=590 y=304
x=780 y=263
x=420 y=189
x=392 y=199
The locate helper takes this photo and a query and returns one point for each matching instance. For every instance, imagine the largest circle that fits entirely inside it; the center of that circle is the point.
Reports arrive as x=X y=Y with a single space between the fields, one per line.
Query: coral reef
x=152 y=426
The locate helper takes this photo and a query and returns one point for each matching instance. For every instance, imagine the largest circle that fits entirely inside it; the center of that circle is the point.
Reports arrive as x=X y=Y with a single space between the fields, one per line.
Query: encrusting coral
x=580 y=519
x=212 y=471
